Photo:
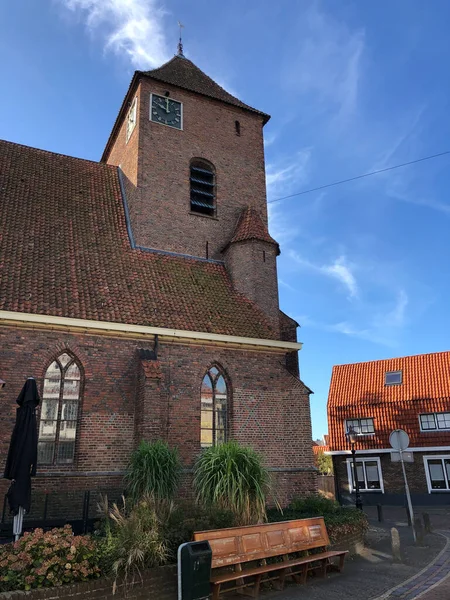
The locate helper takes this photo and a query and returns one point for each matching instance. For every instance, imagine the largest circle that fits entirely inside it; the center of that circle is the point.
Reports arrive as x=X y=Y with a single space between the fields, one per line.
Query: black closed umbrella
x=22 y=454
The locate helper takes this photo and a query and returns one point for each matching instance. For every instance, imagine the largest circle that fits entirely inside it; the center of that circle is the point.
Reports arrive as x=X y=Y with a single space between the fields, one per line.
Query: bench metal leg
x=216 y=591
x=341 y=562
x=323 y=568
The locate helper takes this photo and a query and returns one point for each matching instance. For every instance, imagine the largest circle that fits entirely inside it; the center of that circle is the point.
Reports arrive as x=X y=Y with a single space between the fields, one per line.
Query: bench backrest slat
x=242 y=544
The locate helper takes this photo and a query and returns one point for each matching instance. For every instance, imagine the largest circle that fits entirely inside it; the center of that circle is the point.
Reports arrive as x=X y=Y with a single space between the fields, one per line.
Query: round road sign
x=399 y=440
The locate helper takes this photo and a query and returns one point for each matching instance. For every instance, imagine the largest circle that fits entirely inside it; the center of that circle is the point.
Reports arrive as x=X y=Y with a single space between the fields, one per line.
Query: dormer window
x=393 y=378
x=131 y=118
x=203 y=187
x=360 y=426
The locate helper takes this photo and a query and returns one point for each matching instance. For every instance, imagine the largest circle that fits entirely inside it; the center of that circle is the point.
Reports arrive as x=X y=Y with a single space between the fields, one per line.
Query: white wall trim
x=30 y=319
x=349 y=475
x=427 y=473
x=388 y=450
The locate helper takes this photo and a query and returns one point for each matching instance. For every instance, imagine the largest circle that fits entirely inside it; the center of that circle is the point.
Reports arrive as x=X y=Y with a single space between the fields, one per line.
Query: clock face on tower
x=166 y=111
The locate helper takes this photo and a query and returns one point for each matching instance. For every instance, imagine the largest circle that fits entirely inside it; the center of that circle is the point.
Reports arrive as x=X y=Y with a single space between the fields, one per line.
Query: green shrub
x=317 y=505
x=324 y=463
x=339 y=521
x=188 y=518
x=231 y=477
x=47 y=559
x=154 y=469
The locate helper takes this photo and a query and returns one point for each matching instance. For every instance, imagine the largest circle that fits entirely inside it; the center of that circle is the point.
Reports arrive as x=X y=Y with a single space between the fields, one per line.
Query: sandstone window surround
x=369 y=474
x=214 y=409
x=59 y=412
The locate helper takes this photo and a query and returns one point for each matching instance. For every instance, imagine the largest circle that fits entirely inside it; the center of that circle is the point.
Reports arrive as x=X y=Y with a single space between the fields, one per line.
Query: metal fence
x=78 y=509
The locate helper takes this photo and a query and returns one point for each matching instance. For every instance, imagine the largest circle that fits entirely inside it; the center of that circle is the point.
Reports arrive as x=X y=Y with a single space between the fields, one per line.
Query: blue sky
x=351 y=87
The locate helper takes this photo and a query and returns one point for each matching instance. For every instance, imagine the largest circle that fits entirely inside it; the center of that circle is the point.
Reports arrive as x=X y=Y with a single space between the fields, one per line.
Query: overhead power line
x=328 y=185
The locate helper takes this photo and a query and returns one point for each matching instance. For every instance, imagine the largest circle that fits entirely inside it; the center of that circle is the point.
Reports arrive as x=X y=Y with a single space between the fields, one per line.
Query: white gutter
x=30 y=320
x=387 y=450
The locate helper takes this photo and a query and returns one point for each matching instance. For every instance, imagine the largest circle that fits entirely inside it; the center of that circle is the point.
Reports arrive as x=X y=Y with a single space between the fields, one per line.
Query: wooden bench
x=237 y=546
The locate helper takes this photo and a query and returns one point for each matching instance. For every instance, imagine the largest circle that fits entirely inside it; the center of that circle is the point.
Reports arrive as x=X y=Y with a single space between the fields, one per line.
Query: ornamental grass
x=154 y=470
x=232 y=478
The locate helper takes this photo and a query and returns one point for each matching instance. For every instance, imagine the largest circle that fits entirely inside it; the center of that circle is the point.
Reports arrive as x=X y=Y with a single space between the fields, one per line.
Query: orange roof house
x=374 y=398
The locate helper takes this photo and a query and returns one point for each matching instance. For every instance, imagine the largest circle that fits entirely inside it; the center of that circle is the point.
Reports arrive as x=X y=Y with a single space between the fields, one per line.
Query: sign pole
x=408 y=496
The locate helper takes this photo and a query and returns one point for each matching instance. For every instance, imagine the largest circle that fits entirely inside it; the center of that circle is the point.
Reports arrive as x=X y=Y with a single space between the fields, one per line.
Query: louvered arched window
x=59 y=411
x=203 y=187
x=214 y=407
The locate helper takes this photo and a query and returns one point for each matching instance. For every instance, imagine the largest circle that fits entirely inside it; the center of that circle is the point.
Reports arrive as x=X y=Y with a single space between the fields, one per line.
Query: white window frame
x=359 y=419
x=133 y=109
x=435 y=415
x=363 y=460
x=391 y=373
x=442 y=457
x=166 y=125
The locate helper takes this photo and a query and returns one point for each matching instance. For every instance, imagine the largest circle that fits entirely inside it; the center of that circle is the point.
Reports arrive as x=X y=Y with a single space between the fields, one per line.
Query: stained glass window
x=214 y=405
x=59 y=412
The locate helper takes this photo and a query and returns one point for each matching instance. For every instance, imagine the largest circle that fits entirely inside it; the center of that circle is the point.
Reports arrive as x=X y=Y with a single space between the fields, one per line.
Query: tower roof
x=251 y=227
x=182 y=72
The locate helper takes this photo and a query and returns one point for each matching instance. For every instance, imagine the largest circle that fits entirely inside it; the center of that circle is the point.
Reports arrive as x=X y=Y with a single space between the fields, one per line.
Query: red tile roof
x=358 y=391
x=250 y=226
x=64 y=251
x=182 y=72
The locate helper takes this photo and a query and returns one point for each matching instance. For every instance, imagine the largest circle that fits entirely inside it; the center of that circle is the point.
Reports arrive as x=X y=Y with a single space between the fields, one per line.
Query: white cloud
x=133 y=28
x=328 y=62
x=284 y=174
x=339 y=270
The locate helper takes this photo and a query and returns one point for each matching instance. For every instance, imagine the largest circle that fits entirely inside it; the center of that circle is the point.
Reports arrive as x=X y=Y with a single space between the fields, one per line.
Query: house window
x=434 y=421
x=203 y=188
x=360 y=426
x=131 y=118
x=59 y=412
x=393 y=378
x=214 y=404
x=437 y=470
x=369 y=475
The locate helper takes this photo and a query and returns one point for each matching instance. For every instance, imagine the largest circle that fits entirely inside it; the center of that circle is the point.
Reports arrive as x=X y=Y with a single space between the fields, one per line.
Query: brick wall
x=125 y=154
x=394 y=489
x=160 y=211
x=157 y=584
x=268 y=407
x=252 y=266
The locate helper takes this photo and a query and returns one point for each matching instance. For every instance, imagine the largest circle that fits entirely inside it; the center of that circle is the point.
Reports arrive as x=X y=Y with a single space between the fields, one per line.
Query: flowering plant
x=47 y=559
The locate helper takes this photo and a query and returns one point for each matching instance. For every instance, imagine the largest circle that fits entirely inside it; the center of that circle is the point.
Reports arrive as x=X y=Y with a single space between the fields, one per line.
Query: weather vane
x=180 y=43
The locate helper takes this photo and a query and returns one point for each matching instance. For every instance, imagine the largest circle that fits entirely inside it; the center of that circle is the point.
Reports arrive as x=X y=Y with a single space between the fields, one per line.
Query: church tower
x=191 y=158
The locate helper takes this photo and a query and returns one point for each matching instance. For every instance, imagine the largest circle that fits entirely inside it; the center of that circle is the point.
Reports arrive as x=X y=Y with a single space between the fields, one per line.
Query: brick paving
x=432 y=583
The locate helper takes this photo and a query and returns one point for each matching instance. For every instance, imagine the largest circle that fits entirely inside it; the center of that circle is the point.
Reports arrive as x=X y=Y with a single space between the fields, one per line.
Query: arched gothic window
x=214 y=404
x=59 y=412
x=203 y=187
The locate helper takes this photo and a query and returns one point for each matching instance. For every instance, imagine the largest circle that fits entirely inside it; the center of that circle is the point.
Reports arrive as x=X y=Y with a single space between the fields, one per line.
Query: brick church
x=141 y=292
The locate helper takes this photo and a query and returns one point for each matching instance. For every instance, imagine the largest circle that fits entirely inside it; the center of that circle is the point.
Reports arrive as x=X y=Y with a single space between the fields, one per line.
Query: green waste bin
x=194 y=570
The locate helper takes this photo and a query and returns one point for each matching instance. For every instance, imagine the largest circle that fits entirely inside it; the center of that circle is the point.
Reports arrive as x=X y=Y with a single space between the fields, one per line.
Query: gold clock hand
x=167 y=105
